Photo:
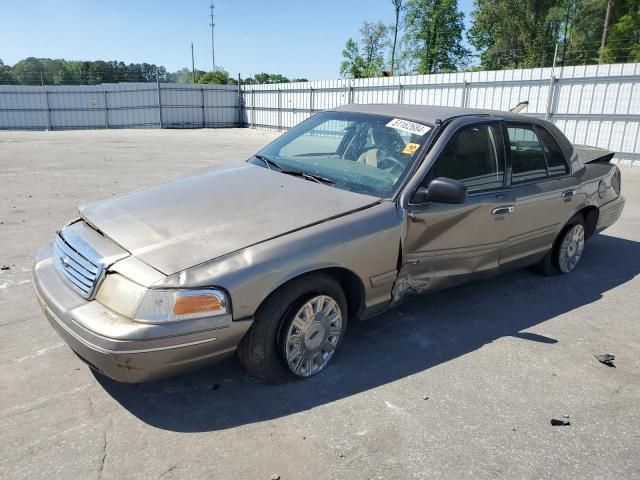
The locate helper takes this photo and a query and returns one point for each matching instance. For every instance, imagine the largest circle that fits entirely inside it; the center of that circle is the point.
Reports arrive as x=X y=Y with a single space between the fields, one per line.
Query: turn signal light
x=196 y=304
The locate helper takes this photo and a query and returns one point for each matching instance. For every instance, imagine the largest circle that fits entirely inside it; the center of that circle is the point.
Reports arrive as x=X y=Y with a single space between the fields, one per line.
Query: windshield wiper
x=297 y=173
x=309 y=176
x=267 y=161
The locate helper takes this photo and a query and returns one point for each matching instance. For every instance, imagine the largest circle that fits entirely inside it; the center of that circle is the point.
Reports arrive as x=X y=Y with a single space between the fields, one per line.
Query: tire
x=555 y=261
x=263 y=350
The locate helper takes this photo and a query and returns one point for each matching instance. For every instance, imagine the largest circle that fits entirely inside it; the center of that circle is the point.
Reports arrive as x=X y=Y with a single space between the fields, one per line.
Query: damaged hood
x=217 y=211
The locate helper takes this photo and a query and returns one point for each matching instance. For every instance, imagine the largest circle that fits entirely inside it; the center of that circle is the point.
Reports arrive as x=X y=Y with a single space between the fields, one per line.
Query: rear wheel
x=296 y=331
x=567 y=249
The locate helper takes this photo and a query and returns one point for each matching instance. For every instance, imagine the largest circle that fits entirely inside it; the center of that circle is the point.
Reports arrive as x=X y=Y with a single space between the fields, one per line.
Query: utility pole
x=566 y=31
x=193 y=65
x=605 y=31
x=397 y=5
x=213 y=50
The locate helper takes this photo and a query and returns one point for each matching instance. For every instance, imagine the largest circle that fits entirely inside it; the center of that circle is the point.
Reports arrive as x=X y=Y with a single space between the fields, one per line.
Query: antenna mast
x=212 y=25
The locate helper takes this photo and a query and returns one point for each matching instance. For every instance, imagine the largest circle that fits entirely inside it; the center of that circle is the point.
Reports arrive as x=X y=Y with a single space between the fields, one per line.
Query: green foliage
x=524 y=33
x=623 y=42
x=35 y=71
x=353 y=65
x=264 y=77
x=184 y=75
x=217 y=77
x=515 y=33
x=367 y=58
x=5 y=74
x=433 y=33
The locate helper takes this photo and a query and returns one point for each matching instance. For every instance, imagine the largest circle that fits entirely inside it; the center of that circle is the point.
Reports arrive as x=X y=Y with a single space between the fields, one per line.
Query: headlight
x=162 y=306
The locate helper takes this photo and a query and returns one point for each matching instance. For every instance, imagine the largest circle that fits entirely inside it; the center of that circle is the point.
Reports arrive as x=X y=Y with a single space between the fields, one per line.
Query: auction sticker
x=407 y=126
x=411 y=148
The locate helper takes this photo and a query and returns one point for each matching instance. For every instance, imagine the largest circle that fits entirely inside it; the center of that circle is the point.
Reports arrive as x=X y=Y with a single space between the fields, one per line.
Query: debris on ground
x=5 y=267
x=275 y=476
x=425 y=397
x=607 y=359
x=562 y=422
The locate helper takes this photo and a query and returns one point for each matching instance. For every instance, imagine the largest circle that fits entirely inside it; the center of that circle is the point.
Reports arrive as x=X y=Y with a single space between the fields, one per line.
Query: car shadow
x=419 y=334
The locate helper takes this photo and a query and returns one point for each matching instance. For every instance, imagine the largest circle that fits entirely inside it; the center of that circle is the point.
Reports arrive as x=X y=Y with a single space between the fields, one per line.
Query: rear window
x=535 y=154
x=527 y=157
x=556 y=163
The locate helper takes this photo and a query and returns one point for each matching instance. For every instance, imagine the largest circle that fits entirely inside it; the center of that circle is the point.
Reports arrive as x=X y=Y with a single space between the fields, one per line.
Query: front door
x=444 y=244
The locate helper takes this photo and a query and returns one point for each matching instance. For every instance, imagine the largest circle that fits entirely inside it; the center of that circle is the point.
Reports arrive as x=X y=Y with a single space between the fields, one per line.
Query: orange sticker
x=411 y=148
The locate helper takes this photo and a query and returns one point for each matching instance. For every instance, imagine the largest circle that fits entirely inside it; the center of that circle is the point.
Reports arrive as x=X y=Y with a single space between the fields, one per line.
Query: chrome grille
x=78 y=264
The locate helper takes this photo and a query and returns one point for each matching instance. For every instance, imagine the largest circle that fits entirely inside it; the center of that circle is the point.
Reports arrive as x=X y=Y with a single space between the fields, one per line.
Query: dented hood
x=214 y=212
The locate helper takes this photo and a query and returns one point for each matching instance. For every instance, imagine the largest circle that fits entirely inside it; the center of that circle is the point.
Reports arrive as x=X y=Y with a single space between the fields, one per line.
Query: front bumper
x=124 y=350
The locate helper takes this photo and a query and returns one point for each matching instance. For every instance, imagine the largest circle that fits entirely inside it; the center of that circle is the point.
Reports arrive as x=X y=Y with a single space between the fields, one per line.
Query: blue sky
x=299 y=38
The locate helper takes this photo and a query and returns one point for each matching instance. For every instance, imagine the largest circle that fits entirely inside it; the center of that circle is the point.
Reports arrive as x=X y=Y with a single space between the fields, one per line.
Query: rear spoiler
x=593 y=154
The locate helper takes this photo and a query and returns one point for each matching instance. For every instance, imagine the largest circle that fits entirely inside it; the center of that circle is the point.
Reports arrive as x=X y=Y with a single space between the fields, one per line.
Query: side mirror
x=441 y=190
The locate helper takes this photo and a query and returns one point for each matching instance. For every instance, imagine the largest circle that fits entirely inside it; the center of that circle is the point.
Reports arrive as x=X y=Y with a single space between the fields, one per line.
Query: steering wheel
x=388 y=162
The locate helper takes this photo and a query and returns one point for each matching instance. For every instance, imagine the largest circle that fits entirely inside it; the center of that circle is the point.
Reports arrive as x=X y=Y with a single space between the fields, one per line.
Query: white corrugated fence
x=598 y=105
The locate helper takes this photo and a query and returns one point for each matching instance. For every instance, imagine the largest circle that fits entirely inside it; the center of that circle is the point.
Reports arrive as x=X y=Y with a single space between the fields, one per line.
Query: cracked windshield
x=363 y=153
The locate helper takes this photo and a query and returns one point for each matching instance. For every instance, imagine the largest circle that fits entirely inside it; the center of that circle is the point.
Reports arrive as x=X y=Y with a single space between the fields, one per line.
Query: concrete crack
x=105 y=449
x=104 y=454
x=168 y=470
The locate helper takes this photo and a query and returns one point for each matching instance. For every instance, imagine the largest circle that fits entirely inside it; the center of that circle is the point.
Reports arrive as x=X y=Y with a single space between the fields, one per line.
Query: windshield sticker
x=407 y=126
x=411 y=148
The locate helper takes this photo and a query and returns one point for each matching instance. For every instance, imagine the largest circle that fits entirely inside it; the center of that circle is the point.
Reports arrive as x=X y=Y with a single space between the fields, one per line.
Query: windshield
x=362 y=153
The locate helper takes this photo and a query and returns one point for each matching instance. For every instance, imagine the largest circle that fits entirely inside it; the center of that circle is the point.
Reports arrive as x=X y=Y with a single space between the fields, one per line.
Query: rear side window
x=474 y=156
x=527 y=157
x=556 y=163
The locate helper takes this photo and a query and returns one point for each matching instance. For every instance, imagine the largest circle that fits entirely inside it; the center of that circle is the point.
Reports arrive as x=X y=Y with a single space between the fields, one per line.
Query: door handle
x=568 y=195
x=503 y=210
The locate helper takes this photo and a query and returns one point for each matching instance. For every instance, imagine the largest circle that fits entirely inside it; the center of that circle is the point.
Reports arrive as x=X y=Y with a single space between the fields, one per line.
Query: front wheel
x=567 y=249
x=296 y=331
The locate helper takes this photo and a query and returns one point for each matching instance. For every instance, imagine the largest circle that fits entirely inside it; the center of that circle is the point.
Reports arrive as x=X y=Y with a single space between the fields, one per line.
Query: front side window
x=474 y=156
x=363 y=153
x=527 y=157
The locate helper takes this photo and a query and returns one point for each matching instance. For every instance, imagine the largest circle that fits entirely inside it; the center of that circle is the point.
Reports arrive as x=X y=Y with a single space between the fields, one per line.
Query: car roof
x=430 y=114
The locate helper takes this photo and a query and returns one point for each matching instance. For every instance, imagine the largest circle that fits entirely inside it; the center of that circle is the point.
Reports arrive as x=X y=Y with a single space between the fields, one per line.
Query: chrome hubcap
x=313 y=336
x=571 y=249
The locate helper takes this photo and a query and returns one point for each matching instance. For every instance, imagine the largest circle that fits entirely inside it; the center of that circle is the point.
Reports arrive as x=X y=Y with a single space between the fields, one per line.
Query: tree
x=397 y=5
x=605 y=30
x=516 y=33
x=373 y=41
x=181 y=76
x=433 y=32
x=367 y=58
x=622 y=40
x=217 y=77
x=28 y=71
x=260 y=78
x=5 y=74
x=353 y=65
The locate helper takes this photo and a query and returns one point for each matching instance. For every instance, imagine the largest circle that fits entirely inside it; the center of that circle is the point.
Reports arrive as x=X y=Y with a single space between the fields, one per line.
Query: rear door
x=444 y=241
x=543 y=189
